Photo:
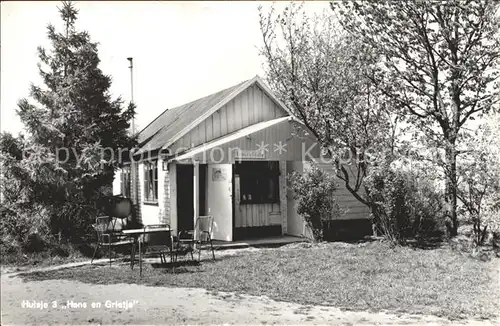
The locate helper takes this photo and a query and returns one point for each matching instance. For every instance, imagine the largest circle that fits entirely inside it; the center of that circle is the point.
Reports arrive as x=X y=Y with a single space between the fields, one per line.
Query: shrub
x=491 y=219
x=404 y=205
x=314 y=192
x=26 y=230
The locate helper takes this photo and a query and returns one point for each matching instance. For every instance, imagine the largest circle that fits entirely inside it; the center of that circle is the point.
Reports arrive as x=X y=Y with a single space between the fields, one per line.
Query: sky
x=181 y=50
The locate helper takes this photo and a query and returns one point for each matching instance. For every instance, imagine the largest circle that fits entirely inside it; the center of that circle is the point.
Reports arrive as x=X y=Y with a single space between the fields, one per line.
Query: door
x=185 y=209
x=220 y=201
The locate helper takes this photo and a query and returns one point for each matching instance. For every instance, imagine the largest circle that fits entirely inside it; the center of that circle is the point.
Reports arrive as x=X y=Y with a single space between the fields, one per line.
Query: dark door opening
x=202 y=183
x=185 y=211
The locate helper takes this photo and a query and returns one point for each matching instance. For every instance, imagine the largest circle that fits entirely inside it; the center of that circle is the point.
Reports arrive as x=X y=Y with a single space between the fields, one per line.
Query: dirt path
x=163 y=305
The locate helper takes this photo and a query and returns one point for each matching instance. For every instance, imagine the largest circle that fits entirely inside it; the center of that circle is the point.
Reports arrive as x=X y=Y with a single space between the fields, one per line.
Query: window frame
x=125 y=181
x=150 y=167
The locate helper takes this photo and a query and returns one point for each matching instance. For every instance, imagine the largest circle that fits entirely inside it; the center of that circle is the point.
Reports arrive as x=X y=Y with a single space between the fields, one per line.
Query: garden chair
x=109 y=236
x=159 y=243
x=201 y=235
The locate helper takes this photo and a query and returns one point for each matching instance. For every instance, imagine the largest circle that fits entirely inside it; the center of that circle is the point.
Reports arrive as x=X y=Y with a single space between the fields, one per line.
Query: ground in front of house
x=290 y=285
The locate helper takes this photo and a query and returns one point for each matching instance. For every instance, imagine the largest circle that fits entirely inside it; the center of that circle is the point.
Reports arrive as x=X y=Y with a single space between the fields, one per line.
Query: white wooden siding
x=355 y=209
x=150 y=214
x=281 y=132
x=117 y=182
x=250 y=107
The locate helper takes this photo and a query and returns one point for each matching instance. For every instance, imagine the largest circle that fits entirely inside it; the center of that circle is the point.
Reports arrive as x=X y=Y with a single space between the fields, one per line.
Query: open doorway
x=202 y=205
x=185 y=210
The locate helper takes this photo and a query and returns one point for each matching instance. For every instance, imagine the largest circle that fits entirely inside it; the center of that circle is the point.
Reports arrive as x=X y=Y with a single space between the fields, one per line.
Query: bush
x=24 y=229
x=490 y=220
x=314 y=192
x=404 y=206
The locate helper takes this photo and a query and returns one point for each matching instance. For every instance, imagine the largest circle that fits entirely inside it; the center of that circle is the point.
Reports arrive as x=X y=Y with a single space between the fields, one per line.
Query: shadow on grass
x=426 y=243
x=178 y=267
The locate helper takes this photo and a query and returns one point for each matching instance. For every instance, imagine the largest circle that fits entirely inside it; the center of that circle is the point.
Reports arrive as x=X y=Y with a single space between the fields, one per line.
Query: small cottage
x=225 y=155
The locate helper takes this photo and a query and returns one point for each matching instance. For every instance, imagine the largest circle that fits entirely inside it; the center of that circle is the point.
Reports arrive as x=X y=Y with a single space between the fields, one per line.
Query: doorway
x=185 y=203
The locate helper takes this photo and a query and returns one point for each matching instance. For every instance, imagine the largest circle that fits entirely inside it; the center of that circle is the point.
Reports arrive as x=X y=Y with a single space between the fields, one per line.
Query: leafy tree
x=319 y=72
x=440 y=66
x=73 y=132
x=479 y=179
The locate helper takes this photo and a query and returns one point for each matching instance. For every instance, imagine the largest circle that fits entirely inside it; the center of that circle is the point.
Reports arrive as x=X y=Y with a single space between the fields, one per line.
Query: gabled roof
x=174 y=123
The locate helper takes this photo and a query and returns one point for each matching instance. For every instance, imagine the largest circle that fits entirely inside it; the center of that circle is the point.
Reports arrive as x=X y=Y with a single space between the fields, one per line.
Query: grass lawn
x=370 y=276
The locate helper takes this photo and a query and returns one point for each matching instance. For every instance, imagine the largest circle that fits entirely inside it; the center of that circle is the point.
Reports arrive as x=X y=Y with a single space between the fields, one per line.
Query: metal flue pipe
x=131 y=67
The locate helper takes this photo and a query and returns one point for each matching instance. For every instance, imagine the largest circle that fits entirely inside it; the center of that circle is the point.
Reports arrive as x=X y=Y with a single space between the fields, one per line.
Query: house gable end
x=250 y=106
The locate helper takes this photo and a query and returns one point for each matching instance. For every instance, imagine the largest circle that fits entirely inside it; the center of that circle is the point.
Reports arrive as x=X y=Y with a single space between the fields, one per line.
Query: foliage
x=64 y=163
x=479 y=179
x=440 y=65
x=314 y=192
x=404 y=204
x=24 y=230
x=320 y=73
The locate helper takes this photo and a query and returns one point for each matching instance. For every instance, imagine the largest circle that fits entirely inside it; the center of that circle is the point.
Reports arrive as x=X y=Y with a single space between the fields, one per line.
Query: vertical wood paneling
x=209 y=127
x=248 y=215
x=238 y=221
x=283 y=201
x=199 y=134
x=255 y=215
x=251 y=215
x=188 y=139
x=261 y=101
x=231 y=123
x=245 y=118
x=238 y=114
x=223 y=120
x=172 y=171
x=216 y=124
x=250 y=107
x=268 y=106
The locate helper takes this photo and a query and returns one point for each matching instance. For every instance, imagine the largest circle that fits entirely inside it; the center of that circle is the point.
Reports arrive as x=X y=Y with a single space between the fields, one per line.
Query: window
x=259 y=182
x=150 y=182
x=125 y=181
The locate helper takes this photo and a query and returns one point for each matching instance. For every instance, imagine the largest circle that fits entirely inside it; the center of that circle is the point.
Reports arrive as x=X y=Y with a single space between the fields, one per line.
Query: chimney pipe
x=130 y=59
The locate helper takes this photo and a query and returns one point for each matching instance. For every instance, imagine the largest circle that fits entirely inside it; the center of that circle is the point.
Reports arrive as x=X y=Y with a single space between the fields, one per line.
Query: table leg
x=132 y=254
x=140 y=257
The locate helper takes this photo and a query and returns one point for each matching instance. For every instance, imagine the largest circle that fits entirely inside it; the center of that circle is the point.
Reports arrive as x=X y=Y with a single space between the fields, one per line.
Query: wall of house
x=293 y=146
x=163 y=193
x=296 y=224
x=171 y=201
x=354 y=208
x=117 y=182
x=135 y=188
x=248 y=108
x=149 y=212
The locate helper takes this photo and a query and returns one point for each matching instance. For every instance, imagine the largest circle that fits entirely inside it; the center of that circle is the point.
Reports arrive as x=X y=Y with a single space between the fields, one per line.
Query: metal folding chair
x=108 y=236
x=201 y=235
x=159 y=243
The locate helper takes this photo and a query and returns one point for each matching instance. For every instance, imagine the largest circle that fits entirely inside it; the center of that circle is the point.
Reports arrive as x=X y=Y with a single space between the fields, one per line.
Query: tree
x=319 y=72
x=479 y=179
x=73 y=133
x=440 y=66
